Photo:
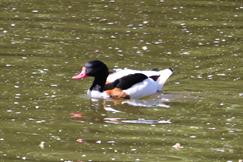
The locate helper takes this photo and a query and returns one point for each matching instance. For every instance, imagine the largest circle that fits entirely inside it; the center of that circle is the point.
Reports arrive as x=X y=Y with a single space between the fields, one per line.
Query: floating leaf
x=177 y=146
x=76 y=115
x=80 y=140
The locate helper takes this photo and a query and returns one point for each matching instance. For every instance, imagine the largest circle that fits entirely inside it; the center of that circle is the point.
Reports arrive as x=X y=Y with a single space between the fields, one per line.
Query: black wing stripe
x=126 y=81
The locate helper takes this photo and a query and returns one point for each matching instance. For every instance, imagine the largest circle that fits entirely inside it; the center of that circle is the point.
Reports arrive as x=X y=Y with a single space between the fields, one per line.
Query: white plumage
x=146 y=87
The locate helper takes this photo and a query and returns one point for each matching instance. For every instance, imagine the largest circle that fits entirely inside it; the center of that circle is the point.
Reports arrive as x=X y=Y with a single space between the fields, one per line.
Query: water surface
x=46 y=116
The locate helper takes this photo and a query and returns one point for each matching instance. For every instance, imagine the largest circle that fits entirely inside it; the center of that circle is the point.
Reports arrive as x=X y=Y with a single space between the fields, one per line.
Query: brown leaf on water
x=76 y=115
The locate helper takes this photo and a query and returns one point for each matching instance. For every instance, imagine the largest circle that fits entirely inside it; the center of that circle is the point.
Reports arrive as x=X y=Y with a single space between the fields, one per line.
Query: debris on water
x=98 y=142
x=193 y=136
x=8 y=65
x=80 y=140
x=111 y=142
x=133 y=149
x=54 y=85
x=17 y=95
x=145 y=48
x=145 y=22
x=212 y=128
x=35 y=11
x=221 y=74
x=42 y=145
x=24 y=158
x=16 y=103
x=177 y=146
x=40 y=121
x=76 y=115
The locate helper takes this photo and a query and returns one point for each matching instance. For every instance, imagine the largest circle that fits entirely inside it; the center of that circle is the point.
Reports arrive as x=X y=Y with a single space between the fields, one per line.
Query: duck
x=122 y=83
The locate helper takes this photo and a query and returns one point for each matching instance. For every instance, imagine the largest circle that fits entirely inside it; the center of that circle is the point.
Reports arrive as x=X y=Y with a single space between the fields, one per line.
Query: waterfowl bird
x=122 y=83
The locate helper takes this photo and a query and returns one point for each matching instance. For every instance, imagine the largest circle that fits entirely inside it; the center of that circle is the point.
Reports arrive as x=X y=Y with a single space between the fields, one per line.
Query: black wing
x=126 y=81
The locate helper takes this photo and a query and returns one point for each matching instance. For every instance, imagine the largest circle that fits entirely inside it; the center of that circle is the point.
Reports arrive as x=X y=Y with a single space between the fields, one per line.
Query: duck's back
x=119 y=73
x=145 y=88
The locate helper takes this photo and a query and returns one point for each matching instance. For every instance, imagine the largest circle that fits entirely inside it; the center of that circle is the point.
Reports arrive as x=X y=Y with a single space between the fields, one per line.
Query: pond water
x=46 y=116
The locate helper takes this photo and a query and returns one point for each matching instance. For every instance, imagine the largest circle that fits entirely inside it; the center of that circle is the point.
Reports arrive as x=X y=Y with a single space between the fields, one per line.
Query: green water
x=44 y=43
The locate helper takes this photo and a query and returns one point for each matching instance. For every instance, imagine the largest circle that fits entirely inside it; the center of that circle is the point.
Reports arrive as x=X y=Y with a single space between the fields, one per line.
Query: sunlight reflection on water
x=138 y=121
x=42 y=112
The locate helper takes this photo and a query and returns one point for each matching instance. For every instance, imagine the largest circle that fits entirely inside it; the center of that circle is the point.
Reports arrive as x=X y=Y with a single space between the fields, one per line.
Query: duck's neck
x=99 y=83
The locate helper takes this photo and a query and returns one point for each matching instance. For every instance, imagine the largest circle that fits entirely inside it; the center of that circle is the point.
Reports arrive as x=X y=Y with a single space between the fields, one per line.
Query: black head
x=96 y=68
x=93 y=68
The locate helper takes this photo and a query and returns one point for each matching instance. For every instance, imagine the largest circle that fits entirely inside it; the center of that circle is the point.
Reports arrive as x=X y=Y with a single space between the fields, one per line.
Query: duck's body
x=123 y=83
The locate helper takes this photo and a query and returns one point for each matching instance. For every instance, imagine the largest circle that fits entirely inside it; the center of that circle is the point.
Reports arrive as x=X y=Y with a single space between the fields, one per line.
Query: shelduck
x=122 y=83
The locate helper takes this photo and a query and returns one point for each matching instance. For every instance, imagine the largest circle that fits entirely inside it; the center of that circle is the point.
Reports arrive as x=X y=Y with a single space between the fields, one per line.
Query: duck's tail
x=164 y=75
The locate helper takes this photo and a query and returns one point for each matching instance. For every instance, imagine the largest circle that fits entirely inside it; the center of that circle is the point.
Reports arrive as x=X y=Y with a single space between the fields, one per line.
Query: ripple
x=135 y=121
x=149 y=103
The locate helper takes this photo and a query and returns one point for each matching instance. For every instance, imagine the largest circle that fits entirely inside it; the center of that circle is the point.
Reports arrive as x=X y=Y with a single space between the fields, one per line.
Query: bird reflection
x=110 y=111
